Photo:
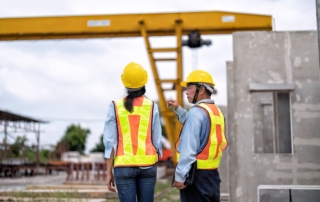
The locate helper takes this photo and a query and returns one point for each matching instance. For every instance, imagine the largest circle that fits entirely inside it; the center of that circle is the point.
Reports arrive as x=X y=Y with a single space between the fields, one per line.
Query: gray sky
x=73 y=81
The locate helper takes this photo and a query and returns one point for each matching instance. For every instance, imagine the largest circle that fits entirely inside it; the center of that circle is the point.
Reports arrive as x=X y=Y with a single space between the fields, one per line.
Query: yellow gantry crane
x=145 y=25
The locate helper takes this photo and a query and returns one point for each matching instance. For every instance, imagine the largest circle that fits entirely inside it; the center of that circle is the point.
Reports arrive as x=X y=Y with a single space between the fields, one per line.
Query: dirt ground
x=21 y=183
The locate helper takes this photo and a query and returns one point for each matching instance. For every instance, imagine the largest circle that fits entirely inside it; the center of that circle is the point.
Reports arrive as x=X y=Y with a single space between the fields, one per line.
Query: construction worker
x=202 y=140
x=132 y=139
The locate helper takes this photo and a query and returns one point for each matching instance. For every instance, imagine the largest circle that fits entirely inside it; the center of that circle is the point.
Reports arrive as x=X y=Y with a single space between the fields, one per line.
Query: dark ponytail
x=128 y=103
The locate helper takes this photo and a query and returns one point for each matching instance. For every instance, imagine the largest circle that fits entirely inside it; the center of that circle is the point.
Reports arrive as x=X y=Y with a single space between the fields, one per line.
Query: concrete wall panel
x=287 y=58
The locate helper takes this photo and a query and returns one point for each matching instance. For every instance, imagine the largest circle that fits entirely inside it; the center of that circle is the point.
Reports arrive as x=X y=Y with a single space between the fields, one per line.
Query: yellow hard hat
x=134 y=76
x=198 y=76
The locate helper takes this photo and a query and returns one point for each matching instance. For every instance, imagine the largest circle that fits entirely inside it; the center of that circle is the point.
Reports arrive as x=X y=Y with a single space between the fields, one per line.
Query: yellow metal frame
x=171 y=122
x=127 y=25
x=134 y=25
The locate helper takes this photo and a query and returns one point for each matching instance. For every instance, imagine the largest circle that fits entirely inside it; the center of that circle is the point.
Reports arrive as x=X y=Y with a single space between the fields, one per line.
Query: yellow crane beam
x=134 y=25
x=127 y=25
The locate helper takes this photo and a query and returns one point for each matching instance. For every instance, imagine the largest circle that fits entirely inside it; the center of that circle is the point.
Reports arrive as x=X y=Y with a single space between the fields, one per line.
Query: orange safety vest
x=135 y=147
x=209 y=157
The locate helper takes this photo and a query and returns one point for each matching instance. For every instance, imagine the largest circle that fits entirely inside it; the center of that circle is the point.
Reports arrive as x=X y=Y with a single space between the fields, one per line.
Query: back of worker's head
x=134 y=78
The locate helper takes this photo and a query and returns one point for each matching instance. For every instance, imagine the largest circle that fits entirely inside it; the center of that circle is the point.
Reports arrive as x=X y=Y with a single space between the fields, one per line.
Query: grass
x=168 y=193
x=163 y=192
x=172 y=195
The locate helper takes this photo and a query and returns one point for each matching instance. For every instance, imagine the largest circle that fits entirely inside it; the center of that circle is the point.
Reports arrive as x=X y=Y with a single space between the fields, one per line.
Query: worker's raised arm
x=181 y=113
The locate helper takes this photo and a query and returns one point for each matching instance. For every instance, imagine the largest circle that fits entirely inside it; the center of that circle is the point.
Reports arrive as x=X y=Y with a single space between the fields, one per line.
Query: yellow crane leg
x=171 y=123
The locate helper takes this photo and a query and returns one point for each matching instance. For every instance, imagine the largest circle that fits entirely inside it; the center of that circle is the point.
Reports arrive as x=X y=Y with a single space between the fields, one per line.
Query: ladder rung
x=168 y=81
x=152 y=50
x=168 y=89
x=165 y=59
x=168 y=113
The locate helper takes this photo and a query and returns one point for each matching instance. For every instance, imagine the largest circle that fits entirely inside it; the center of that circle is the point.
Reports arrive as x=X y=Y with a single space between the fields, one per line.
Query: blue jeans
x=135 y=183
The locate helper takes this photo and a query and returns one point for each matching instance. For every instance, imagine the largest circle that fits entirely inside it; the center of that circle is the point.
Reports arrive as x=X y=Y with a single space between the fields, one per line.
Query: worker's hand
x=173 y=103
x=178 y=185
x=110 y=182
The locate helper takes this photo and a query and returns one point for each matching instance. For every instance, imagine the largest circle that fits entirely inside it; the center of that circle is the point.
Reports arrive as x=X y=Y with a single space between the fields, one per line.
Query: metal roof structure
x=8 y=116
x=16 y=122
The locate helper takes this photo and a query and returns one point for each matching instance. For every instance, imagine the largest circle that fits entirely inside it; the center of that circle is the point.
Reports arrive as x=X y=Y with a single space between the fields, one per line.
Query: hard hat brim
x=183 y=84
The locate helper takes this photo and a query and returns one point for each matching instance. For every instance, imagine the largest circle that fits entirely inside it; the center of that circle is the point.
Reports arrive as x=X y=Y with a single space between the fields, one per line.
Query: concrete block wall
x=276 y=60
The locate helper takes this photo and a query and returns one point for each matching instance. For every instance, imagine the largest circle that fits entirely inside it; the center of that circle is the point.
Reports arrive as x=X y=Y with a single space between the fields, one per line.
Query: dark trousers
x=205 y=188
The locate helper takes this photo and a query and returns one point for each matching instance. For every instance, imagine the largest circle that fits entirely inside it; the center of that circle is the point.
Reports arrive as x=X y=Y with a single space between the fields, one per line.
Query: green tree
x=76 y=137
x=99 y=146
x=16 y=147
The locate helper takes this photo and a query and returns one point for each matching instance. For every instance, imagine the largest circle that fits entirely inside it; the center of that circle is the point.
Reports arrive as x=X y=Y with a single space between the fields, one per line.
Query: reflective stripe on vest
x=135 y=146
x=209 y=157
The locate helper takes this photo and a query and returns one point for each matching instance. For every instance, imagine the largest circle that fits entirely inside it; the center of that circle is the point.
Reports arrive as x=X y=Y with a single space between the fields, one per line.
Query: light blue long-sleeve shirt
x=110 y=135
x=193 y=137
